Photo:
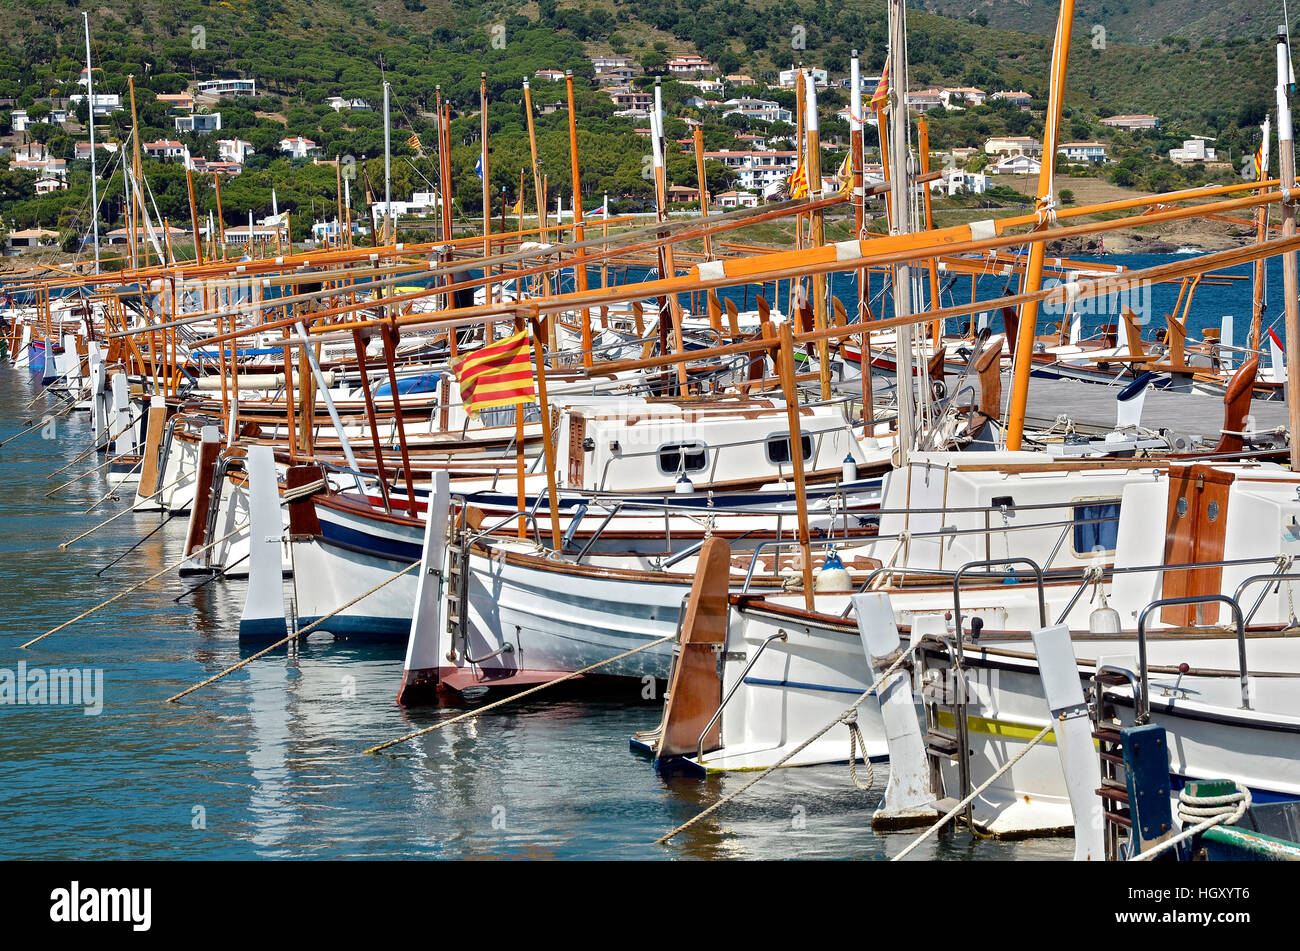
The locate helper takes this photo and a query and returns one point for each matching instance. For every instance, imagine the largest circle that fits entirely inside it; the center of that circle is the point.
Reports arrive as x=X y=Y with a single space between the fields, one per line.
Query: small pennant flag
x=845 y=174
x=880 y=98
x=478 y=167
x=518 y=208
x=500 y=374
x=414 y=143
x=598 y=211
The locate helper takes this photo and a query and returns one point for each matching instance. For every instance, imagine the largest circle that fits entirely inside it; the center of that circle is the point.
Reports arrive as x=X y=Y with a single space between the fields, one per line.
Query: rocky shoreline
x=1157 y=239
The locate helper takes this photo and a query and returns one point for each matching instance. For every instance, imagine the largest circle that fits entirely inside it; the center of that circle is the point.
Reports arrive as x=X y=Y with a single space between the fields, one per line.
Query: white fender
x=263 y=617
x=1059 y=671
x=98 y=394
x=25 y=347
x=908 y=791
x=424 y=646
x=122 y=423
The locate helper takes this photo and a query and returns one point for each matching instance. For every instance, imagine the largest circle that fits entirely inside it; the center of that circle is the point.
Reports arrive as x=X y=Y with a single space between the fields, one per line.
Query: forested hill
x=305 y=51
x=300 y=53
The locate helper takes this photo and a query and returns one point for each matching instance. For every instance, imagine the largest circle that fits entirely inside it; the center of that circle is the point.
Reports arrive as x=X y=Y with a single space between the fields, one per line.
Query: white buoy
x=684 y=486
x=833 y=575
x=1105 y=619
x=848 y=469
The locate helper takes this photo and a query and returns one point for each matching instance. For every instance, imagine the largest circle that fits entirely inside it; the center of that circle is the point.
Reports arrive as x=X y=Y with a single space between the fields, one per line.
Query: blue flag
x=478 y=168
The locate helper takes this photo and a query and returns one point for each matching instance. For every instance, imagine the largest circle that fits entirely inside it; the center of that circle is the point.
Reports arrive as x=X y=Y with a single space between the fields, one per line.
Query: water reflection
x=273 y=753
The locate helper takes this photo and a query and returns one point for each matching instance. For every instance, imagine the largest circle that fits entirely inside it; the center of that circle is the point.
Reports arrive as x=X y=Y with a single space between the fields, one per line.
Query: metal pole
x=90 y=117
x=388 y=172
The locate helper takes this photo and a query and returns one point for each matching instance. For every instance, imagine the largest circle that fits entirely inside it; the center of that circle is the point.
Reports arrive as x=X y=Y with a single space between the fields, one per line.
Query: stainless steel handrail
x=780 y=635
x=1145 y=711
x=1277 y=576
x=990 y=563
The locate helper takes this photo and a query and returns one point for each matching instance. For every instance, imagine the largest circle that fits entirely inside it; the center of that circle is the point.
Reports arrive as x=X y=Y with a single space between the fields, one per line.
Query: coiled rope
x=1206 y=812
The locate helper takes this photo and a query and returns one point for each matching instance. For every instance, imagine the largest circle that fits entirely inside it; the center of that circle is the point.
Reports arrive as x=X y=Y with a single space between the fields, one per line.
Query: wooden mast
x=817 y=228
x=1290 y=277
x=923 y=146
x=698 y=141
x=1261 y=234
x=1033 y=280
x=579 y=232
x=135 y=165
x=856 y=161
x=901 y=225
x=551 y=342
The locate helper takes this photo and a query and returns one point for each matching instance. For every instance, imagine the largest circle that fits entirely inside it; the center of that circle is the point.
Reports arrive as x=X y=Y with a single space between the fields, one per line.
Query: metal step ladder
x=944 y=688
x=943 y=692
x=457 y=595
x=1117 y=817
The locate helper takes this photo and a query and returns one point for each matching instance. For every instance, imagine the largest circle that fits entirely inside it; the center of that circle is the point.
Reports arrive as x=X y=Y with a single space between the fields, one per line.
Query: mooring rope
x=125 y=591
x=1209 y=810
x=848 y=714
x=519 y=696
x=295 y=635
x=975 y=792
x=126 y=511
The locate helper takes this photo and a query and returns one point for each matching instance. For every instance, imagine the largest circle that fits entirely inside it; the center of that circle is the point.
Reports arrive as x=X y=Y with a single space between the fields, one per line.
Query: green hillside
x=300 y=53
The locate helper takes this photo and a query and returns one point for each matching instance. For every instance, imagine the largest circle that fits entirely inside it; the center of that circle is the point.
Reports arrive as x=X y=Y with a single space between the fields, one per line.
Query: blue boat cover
x=424 y=383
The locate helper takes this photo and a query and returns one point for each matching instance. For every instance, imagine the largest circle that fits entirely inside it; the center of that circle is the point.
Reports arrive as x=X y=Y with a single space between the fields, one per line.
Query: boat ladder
x=941 y=669
x=1108 y=731
x=458 y=586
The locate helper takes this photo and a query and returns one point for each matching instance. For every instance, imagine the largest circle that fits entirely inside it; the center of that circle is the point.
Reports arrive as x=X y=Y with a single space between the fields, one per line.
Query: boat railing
x=1274 y=578
x=780 y=635
x=1090 y=575
x=529 y=515
x=988 y=564
x=1142 y=705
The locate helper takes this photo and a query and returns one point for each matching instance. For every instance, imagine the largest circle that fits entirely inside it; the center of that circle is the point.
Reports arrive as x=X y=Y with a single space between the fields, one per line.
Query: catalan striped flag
x=499 y=374
x=845 y=174
x=881 y=96
x=797 y=183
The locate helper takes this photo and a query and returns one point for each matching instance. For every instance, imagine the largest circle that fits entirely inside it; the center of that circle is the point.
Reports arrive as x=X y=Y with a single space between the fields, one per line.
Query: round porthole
x=1212 y=511
x=1182 y=507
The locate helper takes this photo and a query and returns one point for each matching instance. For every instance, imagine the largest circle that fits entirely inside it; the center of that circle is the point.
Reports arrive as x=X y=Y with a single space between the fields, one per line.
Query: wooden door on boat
x=1195 y=525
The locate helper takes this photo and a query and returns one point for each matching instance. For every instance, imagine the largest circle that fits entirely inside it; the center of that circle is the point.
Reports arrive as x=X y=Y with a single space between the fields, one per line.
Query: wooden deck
x=1091 y=406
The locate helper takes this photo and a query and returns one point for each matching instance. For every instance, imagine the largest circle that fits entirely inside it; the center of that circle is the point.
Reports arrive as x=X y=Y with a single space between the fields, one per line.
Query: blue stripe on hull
x=367 y=544
x=262 y=629
x=363 y=630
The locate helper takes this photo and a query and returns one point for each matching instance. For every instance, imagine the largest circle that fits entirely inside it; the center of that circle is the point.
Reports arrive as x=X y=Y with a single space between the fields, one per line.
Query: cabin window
x=1096 y=527
x=778 y=448
x=679 y=457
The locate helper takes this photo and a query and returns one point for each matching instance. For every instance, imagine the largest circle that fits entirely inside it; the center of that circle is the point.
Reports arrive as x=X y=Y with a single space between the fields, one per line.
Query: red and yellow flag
x=845 y=174
x=1259 y=162
x=500 y=374
x=798 y=181
x=881 y=96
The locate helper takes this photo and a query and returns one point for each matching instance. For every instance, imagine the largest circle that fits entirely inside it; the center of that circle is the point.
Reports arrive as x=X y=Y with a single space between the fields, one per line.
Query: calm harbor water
x=268 y=764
